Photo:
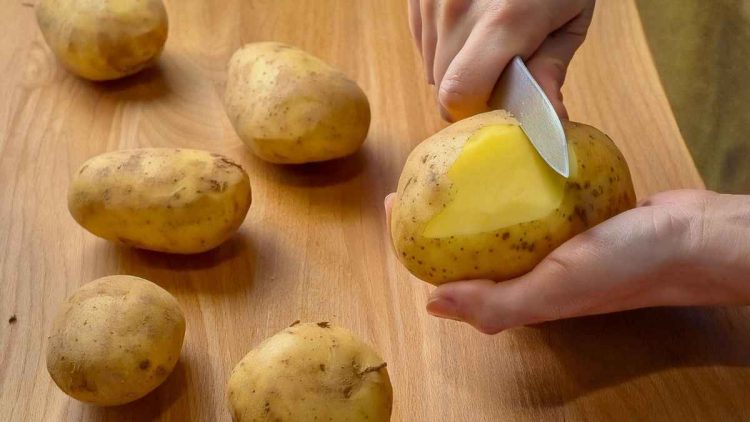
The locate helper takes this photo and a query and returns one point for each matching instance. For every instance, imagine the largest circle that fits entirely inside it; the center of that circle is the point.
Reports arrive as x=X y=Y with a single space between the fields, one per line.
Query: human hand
x=678 y=248
x=466 y=44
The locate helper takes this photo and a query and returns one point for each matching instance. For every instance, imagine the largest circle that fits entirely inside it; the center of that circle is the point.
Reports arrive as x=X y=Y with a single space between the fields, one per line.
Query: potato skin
x=169 y=200
x=104 y=39
x=310 y=372
x=115 y=340
x=290 y=107
x=599 y=187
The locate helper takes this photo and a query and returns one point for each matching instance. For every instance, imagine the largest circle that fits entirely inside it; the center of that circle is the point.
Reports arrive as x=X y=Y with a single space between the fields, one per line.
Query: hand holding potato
x=679 y=248
x=465 y=45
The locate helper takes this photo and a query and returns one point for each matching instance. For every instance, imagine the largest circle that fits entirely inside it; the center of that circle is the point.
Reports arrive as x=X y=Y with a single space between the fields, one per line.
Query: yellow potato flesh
x=499 y=180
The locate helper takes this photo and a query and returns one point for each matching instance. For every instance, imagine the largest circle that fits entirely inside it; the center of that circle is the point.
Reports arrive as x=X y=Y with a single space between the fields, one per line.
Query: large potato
x=104 y=39
x=290 y=107
x=477 y=201
x=169 y=200
x=311 y=372
x=114 y=340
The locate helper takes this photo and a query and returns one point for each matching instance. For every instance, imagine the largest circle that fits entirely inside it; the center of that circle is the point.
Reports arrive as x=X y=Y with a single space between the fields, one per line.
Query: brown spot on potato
x=144 y=364
x=161 y=371
x=224 y=162
x=324 y=324
x=12 y=319
x=79 y=381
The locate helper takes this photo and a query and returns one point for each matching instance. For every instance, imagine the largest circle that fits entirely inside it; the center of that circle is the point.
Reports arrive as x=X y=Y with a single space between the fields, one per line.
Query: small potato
x=114 y=340
x=311 y=372
x=290 y=107
x=104 y=39
x=169 y=200
x=476 y=201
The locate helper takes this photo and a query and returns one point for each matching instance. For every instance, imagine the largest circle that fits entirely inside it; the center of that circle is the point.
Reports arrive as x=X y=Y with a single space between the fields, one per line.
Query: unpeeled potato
x=290 y=107
x=115 y=340
x=181 y=201
x=104 y=39
x=311 y=372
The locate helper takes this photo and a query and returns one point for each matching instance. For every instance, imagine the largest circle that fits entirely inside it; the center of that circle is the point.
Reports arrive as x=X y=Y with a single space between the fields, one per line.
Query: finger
x=469 y=78
x=549 y=64
x=428 y=10
x=454 y=27
x=516 y=28
x=388 y=203
x=415 y=23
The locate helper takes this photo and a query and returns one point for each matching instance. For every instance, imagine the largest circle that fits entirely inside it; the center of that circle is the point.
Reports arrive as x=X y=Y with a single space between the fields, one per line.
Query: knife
x=518 y=93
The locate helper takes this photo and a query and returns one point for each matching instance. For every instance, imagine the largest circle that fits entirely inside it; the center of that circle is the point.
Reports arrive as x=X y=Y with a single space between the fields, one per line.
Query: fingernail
x=388 y=199
x=443 y=308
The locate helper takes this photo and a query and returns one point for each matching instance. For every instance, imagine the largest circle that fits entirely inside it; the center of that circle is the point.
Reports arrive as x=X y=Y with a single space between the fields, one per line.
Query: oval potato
x=103 y=40
x=115 y=340
x=483 y=235
x=169 y=200
x=290 y=107
x=311 y=372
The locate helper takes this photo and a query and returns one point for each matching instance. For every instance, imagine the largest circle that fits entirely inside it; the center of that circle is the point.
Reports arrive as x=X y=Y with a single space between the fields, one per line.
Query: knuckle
x=510 y=13
x=451 y=10
x=558 y=266
x=488 y=325
x=454 y=96
x=451 y=93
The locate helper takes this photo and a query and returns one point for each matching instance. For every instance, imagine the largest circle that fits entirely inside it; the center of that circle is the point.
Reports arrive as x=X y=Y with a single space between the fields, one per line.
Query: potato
x=104 y=39
x=290 y=107
x=476 y=201
x=169 y=200
x=114 y=340
x=311 y=372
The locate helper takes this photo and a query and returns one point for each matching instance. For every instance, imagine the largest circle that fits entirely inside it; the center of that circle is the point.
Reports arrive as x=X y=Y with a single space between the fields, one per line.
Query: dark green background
x=702 y=52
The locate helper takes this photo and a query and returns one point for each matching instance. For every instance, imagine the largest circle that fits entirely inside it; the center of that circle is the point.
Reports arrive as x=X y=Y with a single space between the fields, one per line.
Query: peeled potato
x=104 y=39
x=477 y=201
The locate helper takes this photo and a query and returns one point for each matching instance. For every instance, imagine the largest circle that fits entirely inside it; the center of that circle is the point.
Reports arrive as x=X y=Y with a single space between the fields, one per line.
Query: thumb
x=493 y=307
x=605 y=269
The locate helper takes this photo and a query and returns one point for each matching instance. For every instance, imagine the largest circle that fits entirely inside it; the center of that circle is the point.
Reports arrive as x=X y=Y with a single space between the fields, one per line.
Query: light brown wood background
x=314 y=247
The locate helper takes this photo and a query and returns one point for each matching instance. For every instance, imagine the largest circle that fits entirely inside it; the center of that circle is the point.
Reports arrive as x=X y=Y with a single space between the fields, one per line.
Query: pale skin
x=677 y=248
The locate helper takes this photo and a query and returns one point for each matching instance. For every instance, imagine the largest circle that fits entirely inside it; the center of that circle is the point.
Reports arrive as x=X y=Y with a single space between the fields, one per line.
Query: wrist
x=718 y=245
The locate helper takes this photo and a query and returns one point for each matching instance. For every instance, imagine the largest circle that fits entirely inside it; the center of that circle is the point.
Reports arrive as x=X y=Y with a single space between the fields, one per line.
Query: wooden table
x=314 y=247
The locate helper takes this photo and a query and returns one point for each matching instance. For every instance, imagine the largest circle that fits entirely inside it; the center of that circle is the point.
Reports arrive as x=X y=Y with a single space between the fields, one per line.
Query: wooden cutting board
x=313 y=246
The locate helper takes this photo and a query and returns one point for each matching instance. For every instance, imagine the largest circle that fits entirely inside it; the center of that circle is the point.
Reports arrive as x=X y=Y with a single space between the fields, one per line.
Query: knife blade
x=518 y=93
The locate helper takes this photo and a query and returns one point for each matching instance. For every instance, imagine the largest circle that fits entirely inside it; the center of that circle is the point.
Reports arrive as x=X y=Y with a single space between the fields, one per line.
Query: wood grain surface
x=314 y=247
